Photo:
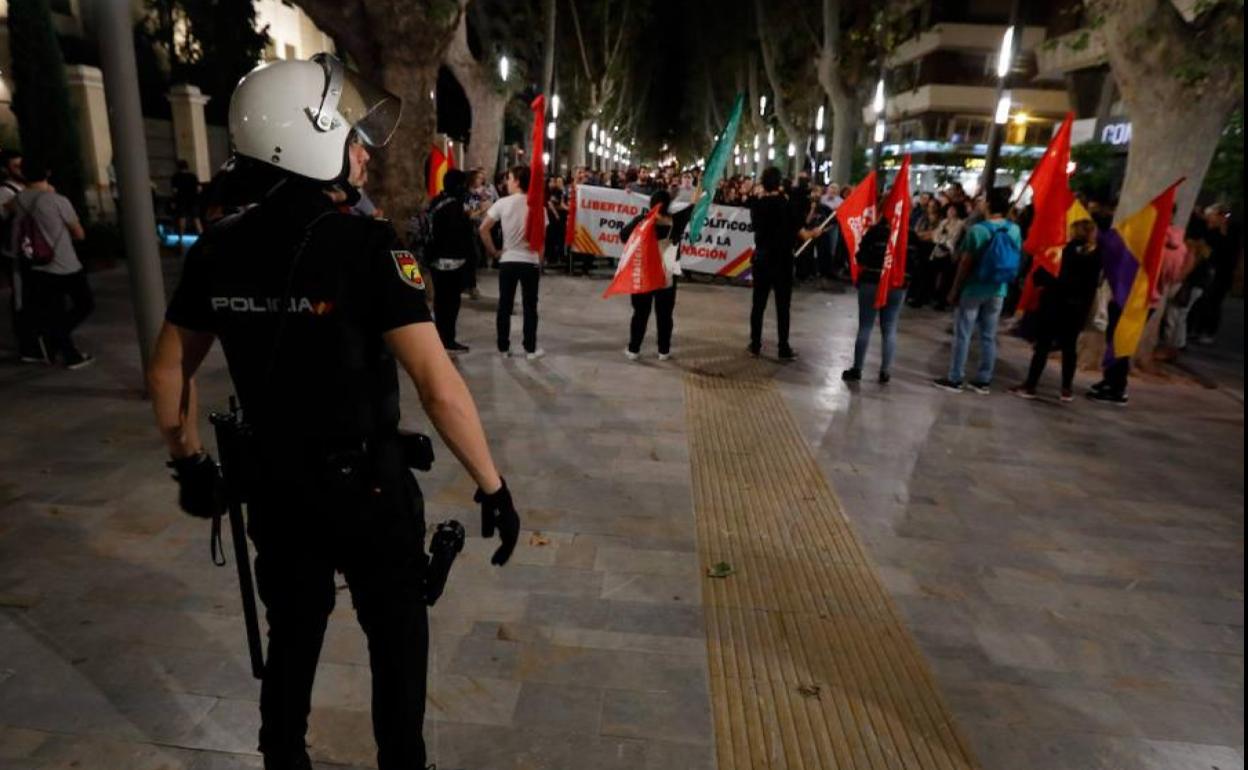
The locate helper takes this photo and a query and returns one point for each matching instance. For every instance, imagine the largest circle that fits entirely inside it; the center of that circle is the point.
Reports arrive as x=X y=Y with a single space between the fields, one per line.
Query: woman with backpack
x=991 y=252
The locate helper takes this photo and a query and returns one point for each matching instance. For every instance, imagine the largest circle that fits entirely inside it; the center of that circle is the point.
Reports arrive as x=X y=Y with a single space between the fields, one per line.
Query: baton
x=809 y=241
x=229 y=429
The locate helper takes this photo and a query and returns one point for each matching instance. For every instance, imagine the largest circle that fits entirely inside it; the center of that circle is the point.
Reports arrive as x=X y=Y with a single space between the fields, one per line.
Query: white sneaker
x=630 y=355
x=665 y=356
x=536 y=354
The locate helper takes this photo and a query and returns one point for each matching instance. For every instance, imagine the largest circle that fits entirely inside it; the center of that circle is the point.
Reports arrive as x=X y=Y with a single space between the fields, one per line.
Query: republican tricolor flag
x=1131 y=253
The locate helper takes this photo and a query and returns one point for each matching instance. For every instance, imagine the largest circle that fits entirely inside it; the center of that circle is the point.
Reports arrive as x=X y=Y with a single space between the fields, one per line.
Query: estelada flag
x=855 y=216
x=641 y=265
x=1131 y=254
x=897 y=209
x=1052 y=200
x=535 y=224
x=439 y=163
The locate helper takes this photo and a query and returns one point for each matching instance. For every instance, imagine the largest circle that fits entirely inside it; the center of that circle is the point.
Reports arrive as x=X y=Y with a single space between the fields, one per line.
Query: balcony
x=973 y=100
x=1081 y=49
x=961 y=37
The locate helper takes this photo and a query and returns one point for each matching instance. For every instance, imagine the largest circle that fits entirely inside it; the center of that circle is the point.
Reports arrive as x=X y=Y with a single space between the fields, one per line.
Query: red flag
x=535 y=225
x=855 y=216
x=569 y=232
x=641 y=265
x=1051 y=198
x=439 y=164
x=897 y=206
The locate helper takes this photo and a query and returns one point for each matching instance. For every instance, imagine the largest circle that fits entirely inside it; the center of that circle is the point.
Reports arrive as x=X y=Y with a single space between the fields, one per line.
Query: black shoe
x=885 y=378
x=944 y=383
x=980 y=387
x=1097 y=387
x=754 y=349
x=455 y=347
x=78 y=360
x=788 y=354
x=1107 y=397
x=851 y=375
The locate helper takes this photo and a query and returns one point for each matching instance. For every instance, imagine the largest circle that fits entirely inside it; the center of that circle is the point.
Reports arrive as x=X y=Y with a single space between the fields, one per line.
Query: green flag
x=715 y=166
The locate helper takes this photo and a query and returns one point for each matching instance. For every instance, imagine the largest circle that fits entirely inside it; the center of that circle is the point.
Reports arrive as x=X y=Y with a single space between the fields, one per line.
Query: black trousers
x=770 y=278
x=371 y=529
x=664 y=303
x=1116 y=372
x=527 y=276
x=24 y=332
x=448 y=286
x=1056 y=329
x=56 y=305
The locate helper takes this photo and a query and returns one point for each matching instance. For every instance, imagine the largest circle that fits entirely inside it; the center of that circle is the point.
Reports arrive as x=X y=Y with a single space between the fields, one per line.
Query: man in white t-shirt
x=30 y=348
x=518 y=264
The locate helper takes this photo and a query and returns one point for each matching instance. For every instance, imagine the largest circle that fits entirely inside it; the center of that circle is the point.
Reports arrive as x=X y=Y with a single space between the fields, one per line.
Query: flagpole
x=808 y=241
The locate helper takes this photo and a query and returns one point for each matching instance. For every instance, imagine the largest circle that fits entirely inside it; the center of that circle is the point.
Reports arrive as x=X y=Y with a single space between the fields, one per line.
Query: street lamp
x=762 y=105
x=877 y=106
x=996 y=130
x=504 y=67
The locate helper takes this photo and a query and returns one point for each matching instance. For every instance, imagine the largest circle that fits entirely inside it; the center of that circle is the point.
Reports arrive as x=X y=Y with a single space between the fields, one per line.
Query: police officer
x=313 y=308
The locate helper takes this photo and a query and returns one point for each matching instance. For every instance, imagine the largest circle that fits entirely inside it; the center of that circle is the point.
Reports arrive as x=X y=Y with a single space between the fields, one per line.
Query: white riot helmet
x=299 y=115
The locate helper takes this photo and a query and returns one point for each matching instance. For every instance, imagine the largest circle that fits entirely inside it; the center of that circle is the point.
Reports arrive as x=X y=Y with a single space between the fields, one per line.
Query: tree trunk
x=399 y=45
x=773 y=78
x=1146 y=42
x=846 y=119
x=580 y=130
x=488 y=107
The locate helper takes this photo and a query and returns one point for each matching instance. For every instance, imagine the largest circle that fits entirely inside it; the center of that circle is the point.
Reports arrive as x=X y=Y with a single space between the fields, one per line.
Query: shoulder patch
x=408 y=268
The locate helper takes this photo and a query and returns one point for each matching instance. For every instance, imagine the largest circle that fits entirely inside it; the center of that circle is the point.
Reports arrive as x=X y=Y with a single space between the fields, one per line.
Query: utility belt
x=347 y=463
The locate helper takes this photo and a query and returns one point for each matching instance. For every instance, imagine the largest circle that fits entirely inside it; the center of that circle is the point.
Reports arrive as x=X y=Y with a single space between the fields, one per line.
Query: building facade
x=941 y=86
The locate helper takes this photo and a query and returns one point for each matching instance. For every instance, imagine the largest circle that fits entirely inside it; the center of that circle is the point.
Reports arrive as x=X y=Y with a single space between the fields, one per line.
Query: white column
x=190 y=131
x=86 y=96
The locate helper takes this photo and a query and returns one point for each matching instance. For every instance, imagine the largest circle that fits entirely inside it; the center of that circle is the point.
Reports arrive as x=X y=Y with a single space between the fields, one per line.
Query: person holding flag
x=1064 y=303
x=666 y=233
x=522 y=214
x=879 y=266
x=1132 y=255
x=776 y=230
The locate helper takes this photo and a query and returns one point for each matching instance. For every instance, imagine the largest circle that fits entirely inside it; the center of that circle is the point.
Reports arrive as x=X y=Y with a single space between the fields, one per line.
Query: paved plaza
x=1052 y=587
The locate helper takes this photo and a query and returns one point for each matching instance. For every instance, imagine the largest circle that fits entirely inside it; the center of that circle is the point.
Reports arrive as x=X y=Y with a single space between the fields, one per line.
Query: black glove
x=497 y=510
x=201 y=492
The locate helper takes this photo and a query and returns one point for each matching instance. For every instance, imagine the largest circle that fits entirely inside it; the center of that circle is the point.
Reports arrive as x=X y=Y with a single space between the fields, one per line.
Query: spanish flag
x=1132 y=257
x=439 y=163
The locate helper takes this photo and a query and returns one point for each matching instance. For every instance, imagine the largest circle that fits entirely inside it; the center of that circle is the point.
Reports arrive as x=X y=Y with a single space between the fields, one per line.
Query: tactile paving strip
x=811 y=667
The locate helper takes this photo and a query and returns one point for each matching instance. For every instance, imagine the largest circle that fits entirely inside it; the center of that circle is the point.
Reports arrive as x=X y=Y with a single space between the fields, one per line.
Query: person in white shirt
x=30 y=347
x=518 y=264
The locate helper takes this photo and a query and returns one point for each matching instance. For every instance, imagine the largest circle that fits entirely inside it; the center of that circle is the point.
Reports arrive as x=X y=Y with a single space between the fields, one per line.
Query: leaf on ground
x=809 y=690
x=537 y=539
x=721 y=569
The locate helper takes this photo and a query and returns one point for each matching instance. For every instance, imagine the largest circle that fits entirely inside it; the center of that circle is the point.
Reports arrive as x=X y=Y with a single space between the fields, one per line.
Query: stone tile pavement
x=1074 y=576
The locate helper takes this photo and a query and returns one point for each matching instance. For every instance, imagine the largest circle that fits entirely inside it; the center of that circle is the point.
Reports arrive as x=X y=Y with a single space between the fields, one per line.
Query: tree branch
x=580 y=41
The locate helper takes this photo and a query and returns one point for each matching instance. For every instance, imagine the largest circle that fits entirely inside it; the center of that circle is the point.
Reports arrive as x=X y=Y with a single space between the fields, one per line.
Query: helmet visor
x=372 y=111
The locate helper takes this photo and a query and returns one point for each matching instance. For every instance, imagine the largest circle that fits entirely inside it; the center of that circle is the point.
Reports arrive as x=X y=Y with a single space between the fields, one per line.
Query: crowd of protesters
x=478 y=223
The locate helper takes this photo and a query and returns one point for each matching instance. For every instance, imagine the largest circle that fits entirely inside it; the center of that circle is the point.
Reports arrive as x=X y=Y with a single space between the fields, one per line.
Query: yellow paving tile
x=811 y=667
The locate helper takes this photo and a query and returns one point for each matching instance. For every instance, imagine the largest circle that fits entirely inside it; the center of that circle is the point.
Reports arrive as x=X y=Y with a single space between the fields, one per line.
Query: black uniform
x=329 y=489
x=775 y=234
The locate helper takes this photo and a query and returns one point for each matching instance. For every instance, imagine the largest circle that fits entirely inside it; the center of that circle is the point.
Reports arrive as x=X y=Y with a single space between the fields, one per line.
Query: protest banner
x=724 y=246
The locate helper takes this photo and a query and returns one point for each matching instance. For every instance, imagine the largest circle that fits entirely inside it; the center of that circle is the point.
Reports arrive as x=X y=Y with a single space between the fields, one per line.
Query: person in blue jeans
x=870 y=267
x=978 y=306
